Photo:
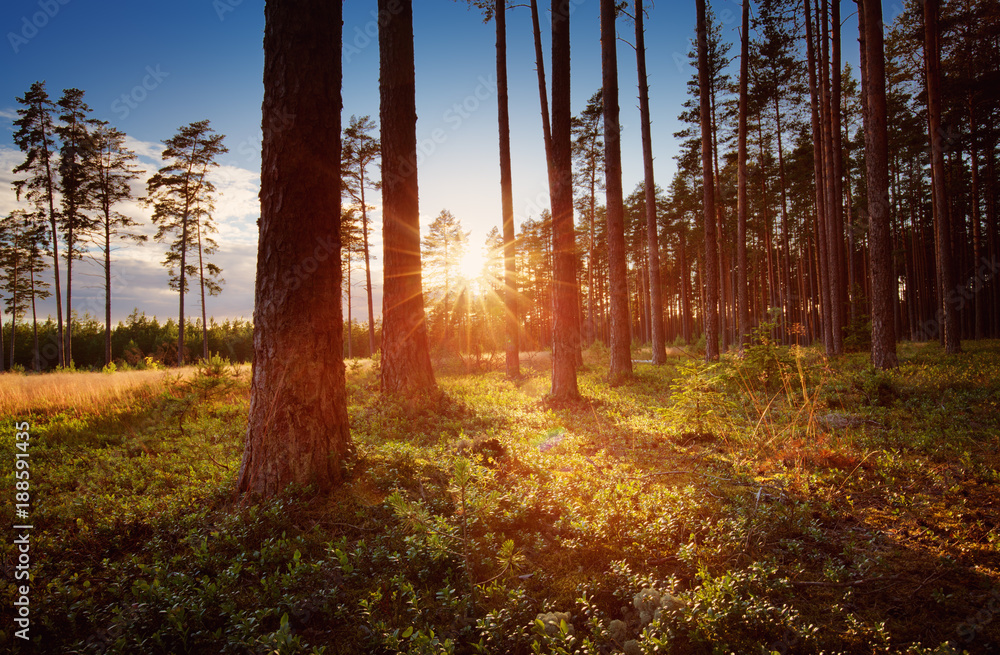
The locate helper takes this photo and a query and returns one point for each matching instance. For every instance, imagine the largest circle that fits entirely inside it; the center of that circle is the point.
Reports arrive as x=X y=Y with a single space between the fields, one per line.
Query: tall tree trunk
x=107 y=287
x=201 y=284
x=785 y=228
x=542 y=95
x=685 y=292
x=183 y=287
x=573 y=317
x=877 y=159
x=50 y=194
x=406 y=362
x=68 y=328
x=742 y=309
x=36 y=360
x=298 y=426
x=831 y=140
x=565 y=334
x=621 y=357
x=513 y=346
x=711 y=269
x=657 y=336
x=838 y=180
x=368 y=269
x=942 y=223
x=819 y=181
x=350 y=319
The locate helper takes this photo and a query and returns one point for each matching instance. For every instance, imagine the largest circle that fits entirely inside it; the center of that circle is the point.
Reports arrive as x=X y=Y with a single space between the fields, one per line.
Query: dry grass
x=21 y=394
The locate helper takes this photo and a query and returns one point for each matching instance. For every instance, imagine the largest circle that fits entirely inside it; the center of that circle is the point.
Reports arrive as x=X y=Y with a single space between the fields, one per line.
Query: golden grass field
x=21 y=394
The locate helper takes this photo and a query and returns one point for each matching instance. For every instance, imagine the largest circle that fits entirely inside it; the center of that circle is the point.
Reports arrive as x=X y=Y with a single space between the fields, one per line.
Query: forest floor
x=780 y=502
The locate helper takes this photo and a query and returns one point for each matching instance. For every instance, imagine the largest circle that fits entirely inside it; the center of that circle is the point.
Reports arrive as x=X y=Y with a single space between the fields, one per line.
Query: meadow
x=779 y=502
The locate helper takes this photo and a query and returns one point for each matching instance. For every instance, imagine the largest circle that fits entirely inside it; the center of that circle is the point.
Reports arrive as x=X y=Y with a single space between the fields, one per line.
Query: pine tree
x=350 y=250
x=877 y=163
x=297 y=430
x=588 y=176
x=708 y=184
x=566 y=328
x=181 y=195
x=621 y=359
x=113 y=171
x=23 y=245
x=76 y=171
x=406 y=363
x=658 y=337
x=359 y=151
x=35 y=137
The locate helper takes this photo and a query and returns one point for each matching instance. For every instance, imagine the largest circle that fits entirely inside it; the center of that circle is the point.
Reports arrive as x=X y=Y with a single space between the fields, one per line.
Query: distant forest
x=769 y=220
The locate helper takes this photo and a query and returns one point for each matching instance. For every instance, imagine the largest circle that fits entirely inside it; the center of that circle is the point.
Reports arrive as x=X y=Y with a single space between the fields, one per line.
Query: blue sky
x=151 y=67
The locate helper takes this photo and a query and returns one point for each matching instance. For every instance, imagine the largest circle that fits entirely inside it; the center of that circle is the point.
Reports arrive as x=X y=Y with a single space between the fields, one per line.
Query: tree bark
x=942 y=223
x=742 y=309
x=819 y=182
x=838 y=180
x=621 y=358
x=406 y=362
x=877 y=160
x=830 y=141
x=298 y=427
x=711 y=269
x=657 y=336
x=565 y=334
x=507 y=197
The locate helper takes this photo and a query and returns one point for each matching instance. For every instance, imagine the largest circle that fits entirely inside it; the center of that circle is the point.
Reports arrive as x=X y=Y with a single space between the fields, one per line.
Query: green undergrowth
x=774 y=502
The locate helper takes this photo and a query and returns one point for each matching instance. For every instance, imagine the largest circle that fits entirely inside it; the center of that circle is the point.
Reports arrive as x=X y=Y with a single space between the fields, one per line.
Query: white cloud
x=9 y=114
x=9 y=158
x=145 y=149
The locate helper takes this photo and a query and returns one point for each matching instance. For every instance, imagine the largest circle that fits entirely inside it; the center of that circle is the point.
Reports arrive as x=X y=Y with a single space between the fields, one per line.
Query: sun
x=472 y=265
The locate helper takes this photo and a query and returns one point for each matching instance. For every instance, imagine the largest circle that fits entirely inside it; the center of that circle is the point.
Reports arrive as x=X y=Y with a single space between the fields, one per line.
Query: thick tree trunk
x=406 y=362
x=830 y=140
x=565 y=334
x=621 y=358
x=657 y=337
x=819 y=182
x=742 y=309
x=711 y=269
x=298 y=426
x=513 y=346
x=883 y=290
x=942 y=224
x=838 y=180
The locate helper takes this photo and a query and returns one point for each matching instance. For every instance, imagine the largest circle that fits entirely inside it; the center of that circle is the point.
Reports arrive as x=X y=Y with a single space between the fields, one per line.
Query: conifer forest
x=730 y=385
